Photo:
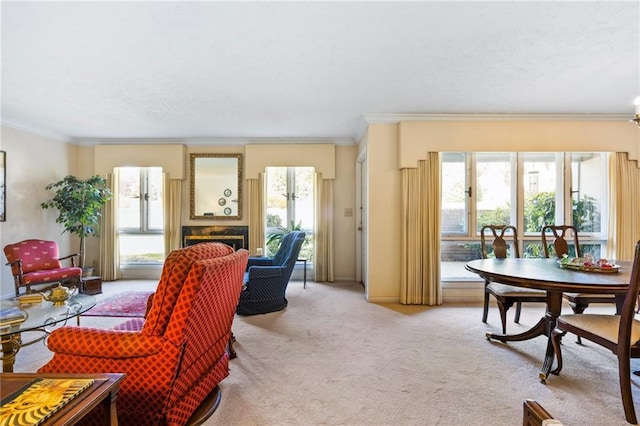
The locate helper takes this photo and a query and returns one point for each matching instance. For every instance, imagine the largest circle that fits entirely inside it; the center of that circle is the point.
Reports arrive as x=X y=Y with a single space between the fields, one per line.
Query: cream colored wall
x=334 y=162
x=167 y=156
x=392 y=146
x=418 y=138
x=320 y=156
x=387 y=147
x=33 y=162
x=344 y=229
x=28 y=174
x=384 y=224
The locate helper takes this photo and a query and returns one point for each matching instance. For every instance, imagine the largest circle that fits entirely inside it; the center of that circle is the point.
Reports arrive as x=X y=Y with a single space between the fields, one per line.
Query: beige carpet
x=331 y=358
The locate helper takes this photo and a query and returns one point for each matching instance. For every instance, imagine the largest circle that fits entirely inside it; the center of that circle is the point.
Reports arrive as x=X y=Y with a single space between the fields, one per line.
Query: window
x=140 y=216
x=290 y=202
x=495 y=176
x=528 y=190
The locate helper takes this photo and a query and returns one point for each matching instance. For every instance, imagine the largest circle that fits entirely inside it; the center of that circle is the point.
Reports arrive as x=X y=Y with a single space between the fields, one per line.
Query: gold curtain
x=255 y=192
x=172 y=209
x=323 y=263
x=420 y=252
x=109 y=254
x=624 y=205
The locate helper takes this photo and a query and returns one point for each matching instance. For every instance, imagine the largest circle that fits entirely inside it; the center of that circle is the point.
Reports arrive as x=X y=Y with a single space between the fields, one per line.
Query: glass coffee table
x=41 y=317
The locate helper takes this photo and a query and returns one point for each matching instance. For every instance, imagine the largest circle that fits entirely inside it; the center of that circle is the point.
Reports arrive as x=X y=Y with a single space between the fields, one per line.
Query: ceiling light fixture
x=637 y=117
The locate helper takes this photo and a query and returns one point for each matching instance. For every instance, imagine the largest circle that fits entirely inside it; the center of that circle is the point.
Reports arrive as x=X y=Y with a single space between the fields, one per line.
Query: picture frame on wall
x=3 y=185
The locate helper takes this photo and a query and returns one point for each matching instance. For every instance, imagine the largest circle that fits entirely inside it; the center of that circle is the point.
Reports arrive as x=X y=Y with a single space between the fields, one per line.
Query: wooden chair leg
x=624 y=371
x=503 y=308
x=485 y=311
x=518 y=310
x=556 y=335
x=578 y=308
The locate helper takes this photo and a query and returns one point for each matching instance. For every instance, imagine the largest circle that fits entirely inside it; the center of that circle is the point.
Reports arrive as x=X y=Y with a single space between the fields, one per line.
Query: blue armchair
x=266 y=279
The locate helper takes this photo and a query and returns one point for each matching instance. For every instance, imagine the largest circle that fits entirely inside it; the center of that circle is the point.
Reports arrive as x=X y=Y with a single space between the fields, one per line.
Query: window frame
x=563 y=202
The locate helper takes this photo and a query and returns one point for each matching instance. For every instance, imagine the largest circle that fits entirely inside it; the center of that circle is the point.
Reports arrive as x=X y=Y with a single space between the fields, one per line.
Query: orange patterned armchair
x=180 y=354
x=38 y=262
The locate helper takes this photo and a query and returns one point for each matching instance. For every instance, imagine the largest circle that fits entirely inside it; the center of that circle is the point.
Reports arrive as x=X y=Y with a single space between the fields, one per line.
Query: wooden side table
x=104 y=391
x=90 y=285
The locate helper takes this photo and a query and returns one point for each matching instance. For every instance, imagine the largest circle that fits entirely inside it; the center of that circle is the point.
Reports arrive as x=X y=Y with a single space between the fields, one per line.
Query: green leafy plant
x=541 y=211
x=79 y=204
x=274 y=239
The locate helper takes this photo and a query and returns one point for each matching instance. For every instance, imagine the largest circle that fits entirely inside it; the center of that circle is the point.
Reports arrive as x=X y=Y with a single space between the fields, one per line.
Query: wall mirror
x=216 y=186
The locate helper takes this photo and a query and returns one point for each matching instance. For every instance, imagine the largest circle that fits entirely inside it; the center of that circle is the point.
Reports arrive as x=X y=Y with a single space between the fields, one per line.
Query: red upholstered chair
x=180 y=355
x=38 y=262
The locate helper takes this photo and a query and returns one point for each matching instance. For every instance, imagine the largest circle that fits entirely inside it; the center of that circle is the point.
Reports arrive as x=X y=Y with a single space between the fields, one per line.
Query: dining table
x=549 y=275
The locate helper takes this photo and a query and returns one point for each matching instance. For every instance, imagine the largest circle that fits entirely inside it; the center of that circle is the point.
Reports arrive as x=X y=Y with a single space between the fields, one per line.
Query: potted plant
x=275 y=239
x=79 y=204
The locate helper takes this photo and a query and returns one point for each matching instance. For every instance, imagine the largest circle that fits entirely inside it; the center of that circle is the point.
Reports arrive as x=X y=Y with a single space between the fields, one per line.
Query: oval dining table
x=546 y=274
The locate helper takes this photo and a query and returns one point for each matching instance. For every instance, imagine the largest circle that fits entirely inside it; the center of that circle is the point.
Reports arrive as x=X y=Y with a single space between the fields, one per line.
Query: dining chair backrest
x=617 y=333
x=629 y=307
x=560 y=243
x=499 y=243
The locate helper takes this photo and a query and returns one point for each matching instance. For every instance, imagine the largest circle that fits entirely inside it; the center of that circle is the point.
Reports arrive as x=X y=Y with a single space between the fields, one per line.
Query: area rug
x=125 y=304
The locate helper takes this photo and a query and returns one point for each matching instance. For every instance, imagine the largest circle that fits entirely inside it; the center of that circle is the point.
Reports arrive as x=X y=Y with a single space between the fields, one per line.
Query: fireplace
x=235 y=236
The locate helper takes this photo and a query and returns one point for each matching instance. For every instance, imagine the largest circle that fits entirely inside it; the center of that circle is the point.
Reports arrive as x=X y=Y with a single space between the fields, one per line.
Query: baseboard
x=143 y=272
x=463 y=291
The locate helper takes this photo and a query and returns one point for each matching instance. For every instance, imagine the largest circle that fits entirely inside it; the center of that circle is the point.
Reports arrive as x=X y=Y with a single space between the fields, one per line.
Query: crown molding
x=191 y=141
x=202 y=141
x=396 y=118
x=35 y=131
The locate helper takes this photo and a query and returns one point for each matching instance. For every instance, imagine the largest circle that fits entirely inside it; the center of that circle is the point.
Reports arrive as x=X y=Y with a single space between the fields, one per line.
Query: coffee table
x=41 y=317
x=103 y=391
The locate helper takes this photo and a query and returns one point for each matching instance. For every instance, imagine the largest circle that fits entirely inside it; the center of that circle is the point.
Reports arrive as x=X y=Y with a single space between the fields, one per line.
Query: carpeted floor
x=331 y=358
x=125 y=304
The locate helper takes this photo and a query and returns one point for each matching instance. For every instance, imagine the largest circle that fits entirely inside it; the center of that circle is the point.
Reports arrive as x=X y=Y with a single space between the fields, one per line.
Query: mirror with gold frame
x=216 y=186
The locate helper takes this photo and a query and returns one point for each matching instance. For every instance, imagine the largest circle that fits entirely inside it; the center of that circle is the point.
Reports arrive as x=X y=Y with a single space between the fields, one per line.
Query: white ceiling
x=309 y=70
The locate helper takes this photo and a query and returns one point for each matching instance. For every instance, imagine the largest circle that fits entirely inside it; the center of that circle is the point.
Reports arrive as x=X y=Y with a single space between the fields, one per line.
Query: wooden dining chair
x=505 y=295
x=618 y=333
x=559 y=243
x=578 y=301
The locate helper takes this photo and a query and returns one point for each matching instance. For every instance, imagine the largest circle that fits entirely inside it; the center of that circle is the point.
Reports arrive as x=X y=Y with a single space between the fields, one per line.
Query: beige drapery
x=172 y=208
x=323 y=262
x=420 y=252
x=255 y=196
x=109 y=255
x=624 y=205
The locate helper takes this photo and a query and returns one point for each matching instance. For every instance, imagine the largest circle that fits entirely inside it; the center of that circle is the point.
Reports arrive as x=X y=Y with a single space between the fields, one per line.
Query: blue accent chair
x=266 y=279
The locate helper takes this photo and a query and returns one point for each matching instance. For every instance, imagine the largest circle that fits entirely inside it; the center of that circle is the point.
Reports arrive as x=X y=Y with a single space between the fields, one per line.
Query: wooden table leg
x=542 y=328
x=111 y=414
x=554 y=307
